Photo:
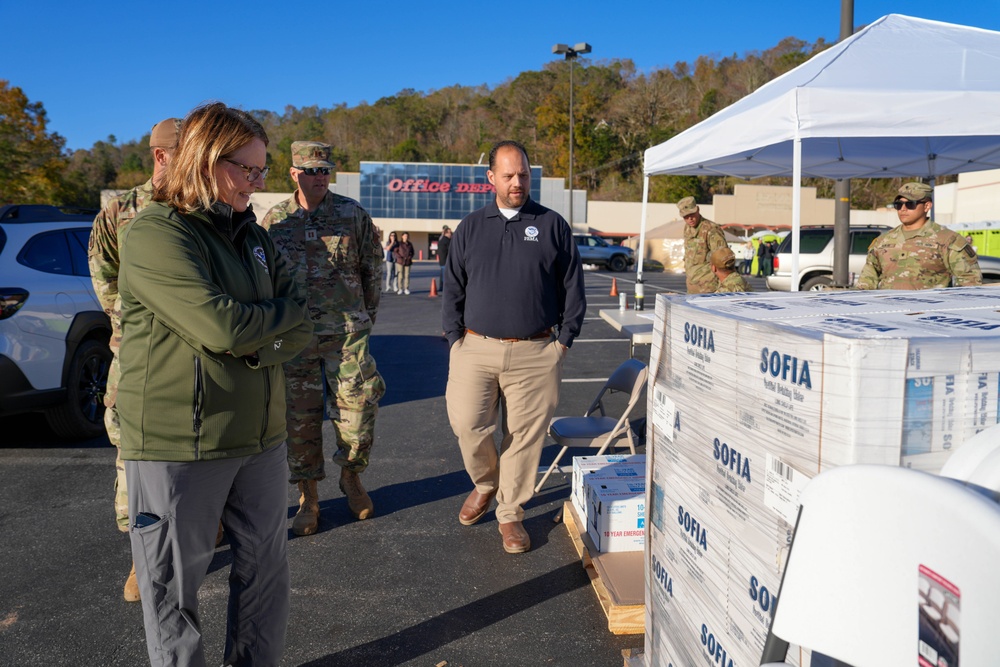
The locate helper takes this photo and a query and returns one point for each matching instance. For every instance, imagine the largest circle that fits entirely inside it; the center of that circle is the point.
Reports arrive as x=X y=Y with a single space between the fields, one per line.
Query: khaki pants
x=523 y=377
x=403 y=277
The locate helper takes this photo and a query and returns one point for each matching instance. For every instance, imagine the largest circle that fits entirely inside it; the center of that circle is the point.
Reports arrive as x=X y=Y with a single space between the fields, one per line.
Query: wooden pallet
x=626 y=616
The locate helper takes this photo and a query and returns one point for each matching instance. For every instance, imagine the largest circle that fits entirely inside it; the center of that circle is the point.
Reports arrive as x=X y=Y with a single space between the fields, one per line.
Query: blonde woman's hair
x=209 y=133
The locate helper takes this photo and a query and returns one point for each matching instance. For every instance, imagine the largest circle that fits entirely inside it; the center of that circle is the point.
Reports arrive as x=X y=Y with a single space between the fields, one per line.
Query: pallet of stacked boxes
x=606 y=520
x=750 y=397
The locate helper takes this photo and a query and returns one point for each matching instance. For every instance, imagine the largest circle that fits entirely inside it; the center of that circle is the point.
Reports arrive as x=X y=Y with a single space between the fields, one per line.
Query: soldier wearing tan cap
x=919 y=253
x=701 y=237
x=104 y=261
x=335 y=257
x=723 y=263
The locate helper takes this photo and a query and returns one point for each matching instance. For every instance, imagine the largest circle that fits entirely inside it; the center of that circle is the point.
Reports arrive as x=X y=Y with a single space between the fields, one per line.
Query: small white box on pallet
x=611 y=466
x=617 y=514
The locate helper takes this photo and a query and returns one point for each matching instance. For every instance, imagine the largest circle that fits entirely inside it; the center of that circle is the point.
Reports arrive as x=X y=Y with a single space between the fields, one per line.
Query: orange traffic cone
x=434 y=287
x=614 y=287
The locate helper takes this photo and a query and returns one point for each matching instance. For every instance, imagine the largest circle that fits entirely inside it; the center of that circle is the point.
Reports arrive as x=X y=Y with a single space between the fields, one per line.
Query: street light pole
x=571 y=54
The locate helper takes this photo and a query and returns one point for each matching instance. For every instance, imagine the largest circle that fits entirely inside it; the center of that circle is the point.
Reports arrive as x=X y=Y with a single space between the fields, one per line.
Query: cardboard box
x=617 y=514
x=610 y=466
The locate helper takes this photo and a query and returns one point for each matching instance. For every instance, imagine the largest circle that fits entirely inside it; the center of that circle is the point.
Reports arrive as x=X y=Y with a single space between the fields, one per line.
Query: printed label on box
x=783 y=485
x=930 y=414
x=664 y=412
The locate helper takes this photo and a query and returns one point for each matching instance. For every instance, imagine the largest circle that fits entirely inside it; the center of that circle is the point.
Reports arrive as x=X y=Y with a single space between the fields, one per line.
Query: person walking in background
x=748 y=255
x=919 y=253
x=723 y=263
x=391 y=279
x=765 y=258
x=404 y=260
x=701 y=237
x=335 y=258
x=104 y=259
x=209 y=313
x=444 y=242
x=515 y=302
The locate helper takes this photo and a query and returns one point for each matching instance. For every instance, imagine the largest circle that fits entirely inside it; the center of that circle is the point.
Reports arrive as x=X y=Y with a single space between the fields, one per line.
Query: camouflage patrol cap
x=307 y=154
x=915 y=191
x=165 y=133
x=687 y=206
x=723 y=258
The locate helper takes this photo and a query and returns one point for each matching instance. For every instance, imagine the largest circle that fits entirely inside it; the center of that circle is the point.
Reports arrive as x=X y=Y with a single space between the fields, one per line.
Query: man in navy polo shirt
x=515 y=302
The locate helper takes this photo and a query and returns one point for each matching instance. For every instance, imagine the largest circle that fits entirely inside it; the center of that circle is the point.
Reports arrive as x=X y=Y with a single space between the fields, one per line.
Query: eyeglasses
x=910 y=205
x=253 y=173
x=313 y=171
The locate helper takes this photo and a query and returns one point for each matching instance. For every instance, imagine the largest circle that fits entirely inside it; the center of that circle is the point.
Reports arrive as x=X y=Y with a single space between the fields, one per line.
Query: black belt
x=547 y=333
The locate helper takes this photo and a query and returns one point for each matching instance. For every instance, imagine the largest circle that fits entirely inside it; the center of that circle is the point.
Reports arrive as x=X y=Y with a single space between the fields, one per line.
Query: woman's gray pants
x=174 y=512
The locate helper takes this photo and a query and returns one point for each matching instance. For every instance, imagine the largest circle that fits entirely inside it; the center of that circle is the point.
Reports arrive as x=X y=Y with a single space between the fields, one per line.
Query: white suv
x=54 y=354
x=816 y=257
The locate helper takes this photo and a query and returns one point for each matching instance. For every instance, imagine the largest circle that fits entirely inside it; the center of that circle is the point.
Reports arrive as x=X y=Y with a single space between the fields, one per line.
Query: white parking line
x=585 y=379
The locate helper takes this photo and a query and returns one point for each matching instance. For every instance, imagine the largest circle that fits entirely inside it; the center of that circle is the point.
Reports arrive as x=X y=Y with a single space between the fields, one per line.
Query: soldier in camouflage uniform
x=919 y=253
x=723 y=263
x=334 y=255
x=701 y=237
x=104 y=262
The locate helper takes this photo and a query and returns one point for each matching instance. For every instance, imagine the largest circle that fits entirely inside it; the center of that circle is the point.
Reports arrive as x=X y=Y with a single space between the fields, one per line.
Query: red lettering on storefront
x=426 y=185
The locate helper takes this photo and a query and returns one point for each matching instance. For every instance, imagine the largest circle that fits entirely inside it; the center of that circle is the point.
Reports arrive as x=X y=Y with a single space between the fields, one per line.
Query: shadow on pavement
x=395 y=497
x=453 y=625
x=396 y=357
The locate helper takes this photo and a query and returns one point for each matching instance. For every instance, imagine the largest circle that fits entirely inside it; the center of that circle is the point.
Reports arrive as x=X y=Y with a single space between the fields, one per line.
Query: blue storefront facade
x=409 y=190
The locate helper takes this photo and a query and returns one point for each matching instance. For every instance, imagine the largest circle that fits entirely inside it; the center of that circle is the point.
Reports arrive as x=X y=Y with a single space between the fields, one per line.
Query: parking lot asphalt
x=410 y=586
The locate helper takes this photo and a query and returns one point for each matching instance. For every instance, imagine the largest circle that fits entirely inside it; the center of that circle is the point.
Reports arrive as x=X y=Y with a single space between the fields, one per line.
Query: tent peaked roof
x=902 y=97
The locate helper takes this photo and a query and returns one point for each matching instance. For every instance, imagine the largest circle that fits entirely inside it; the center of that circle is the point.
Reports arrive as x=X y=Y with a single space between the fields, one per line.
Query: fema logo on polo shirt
x=258 y=252
x=531 y=234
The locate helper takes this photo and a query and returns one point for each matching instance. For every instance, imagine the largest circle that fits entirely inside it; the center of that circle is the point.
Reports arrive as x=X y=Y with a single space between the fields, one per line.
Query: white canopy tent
x=904 y=97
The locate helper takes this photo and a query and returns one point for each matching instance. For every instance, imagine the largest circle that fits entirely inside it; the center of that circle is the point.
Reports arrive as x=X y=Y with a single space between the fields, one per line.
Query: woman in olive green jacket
x=209 y=313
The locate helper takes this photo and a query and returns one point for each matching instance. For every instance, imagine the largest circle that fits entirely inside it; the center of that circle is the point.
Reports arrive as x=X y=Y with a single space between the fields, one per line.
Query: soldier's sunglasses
x=253 y=173
x=910 y=205
x=313 y=171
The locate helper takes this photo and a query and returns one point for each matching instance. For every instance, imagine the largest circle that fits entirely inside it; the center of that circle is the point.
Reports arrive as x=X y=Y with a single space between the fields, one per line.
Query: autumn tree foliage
x=31 y=157
x=619 y=111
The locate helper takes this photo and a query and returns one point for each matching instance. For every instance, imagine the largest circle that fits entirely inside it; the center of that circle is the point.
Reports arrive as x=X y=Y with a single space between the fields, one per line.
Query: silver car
x=816 y=258
x=54 y=355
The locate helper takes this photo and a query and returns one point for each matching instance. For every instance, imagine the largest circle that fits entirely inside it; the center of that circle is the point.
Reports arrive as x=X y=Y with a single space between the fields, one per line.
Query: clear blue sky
x=114 y=68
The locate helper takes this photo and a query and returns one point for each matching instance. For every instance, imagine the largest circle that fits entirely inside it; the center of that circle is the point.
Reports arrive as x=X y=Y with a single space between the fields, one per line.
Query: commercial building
x=421 y=197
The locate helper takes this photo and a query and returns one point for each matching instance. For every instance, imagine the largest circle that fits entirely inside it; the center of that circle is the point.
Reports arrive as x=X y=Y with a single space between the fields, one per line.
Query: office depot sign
x=428 y=191
x=426 y=185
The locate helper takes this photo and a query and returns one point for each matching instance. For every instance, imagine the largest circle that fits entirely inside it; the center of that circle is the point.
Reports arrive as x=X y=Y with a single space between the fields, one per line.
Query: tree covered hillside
x=619 y=112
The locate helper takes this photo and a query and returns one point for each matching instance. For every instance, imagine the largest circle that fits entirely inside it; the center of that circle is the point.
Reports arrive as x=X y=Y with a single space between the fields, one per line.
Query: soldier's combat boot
x=131 y=591
x=306 y=521
x=357 y=498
